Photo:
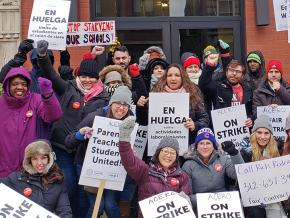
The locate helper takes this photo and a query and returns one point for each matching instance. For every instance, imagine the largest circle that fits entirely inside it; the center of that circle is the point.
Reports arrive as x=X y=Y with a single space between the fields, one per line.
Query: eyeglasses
x=121 y=104
x=168 y=153
x=232 y=70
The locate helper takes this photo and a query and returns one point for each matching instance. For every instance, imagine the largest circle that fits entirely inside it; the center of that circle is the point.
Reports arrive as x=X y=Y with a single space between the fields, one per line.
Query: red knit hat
x=191 y=60
x=275 y=64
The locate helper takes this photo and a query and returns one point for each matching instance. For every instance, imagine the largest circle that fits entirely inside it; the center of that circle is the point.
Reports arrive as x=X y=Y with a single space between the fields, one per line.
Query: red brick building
x=273 y=44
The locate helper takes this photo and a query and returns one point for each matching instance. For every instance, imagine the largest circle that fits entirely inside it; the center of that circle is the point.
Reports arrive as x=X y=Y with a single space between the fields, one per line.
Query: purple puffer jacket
x=148 y=180
x=18 y=121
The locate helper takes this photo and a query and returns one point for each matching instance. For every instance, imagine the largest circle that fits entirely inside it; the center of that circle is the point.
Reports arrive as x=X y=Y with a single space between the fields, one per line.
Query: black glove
x=224 y=47
x=25 y=46
x=42 y=47
x=64 y=58
x=229 y=147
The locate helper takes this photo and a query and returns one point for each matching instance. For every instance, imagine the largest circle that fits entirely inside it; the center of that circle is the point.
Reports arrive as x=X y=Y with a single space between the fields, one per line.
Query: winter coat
x=221 y=92
x=253 y=79
x=54 y=198
x=149 y=181
x=71 y=100
x=264 y=95
x=19 y=121
x=210 y=178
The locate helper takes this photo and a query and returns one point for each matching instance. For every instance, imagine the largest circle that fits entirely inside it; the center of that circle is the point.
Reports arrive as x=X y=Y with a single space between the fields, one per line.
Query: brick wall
x=84 y=15
x=273 y=44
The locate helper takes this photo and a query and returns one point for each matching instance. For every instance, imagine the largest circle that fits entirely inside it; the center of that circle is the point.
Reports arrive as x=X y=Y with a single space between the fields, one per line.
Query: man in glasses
x=229 y=91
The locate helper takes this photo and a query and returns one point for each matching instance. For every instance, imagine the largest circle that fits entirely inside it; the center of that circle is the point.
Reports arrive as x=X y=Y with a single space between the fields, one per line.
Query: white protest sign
x=102 y=160
x=49 y=21
x=140 y=141
x=280 y=12
x=278 y=117
x=167 y=114
x=13 y=204
x=265 y=181
x=91 y=33
x=229 y=124
x=166 y=204
x=220 y=204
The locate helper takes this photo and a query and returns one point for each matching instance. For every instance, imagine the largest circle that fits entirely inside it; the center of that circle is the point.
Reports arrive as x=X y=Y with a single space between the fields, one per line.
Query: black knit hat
x=156 y=61
x=89 y=68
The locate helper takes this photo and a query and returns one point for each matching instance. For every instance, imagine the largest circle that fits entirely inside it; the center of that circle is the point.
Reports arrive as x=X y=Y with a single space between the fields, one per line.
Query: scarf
x=194 y=77
x=153 y=81
x=180 y=90
x=97 y=88
x=111 y=89
x=165 y=172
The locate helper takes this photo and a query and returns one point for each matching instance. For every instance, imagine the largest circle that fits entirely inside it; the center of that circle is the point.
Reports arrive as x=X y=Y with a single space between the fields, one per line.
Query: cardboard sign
x=90 y=33
x=48 y=22
x=141 y=141
x=265 y=181
x=167 y=114
x=102 y=160
x=220 y=204
x=280 y=12
x=278 y=117
x=166 y=204
x=13 y=204
x=229 y=124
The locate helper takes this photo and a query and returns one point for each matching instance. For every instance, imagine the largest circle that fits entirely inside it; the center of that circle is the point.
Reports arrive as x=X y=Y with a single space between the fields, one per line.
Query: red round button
x=174 y=182
x=76 y=105
x=27 y=192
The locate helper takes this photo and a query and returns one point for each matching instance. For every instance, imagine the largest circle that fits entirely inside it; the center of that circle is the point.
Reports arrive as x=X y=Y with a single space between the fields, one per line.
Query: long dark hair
x=196 y=100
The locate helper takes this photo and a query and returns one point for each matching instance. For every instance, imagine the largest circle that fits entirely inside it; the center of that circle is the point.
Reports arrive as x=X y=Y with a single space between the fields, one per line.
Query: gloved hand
x=229 y=147
x=262 y=205
x=42 y=47
x=126 y=129
x=224 y=47
x=84 y=133
x=134 y=70
x=25 y=46
x=212 y=60
x=246 y=146
x=182 y=194
x=64 y=58
x=45 y=86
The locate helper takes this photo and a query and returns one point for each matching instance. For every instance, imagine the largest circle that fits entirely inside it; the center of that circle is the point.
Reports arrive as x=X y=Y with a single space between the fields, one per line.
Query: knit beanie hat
x=254 y=57
x=263 y=121
x=88 y=67
x=186 y=55
x=168 y=142
x=121 y=94
x=38 y=147
x=191 y=60
x=287 y=124
x=208 y=51
x=275 y=64
x=156 y=61
x=113 y=76
x=205 y=133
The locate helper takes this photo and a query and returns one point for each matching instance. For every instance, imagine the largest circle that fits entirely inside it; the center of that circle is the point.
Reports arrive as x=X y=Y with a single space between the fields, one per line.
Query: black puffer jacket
x=69 y=97
x=53 y=198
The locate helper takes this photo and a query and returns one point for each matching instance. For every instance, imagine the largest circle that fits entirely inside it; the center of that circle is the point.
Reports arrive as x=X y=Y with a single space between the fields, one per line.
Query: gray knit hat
x=263 y=121
x=113 y=76
x=287 y=124
x=168 y=142
x=121 y=94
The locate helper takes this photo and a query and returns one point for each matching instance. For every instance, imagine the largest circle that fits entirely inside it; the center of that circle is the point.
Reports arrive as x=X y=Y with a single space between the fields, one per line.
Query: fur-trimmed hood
x=125 y=77
x=41 y=147
x=150 y=53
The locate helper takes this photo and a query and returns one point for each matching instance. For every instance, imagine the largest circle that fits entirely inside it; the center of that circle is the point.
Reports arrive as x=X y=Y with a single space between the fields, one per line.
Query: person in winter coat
x=230 y=91
x=41 y=180
x=192 y=67
x=260 y=146
x=176 y=80
x=208 y=168
x=78 y=98
x=274 y=90
x=119 y=109
x=286 y=147
x=162 y=174
x=18 y=113
x=255 y=73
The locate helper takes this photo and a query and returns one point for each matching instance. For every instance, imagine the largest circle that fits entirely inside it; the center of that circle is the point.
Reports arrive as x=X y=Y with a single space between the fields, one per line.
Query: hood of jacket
x=146 y=57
